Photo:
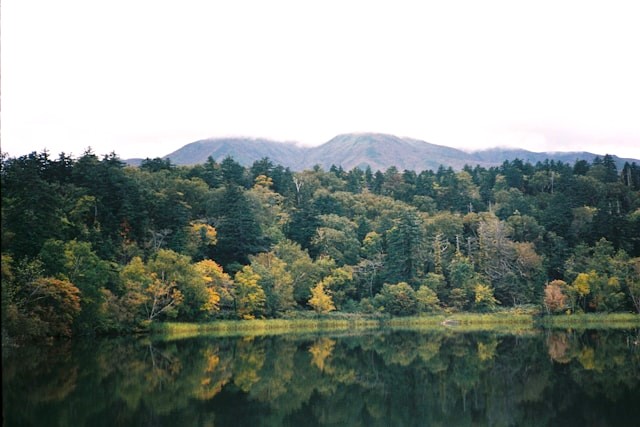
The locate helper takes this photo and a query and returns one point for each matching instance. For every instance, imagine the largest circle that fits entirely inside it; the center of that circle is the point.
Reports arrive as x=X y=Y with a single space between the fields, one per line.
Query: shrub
x=399 y=299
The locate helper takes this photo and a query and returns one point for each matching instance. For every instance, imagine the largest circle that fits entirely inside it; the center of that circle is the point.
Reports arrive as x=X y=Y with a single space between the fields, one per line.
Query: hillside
x=379 y=151
x=243 y=150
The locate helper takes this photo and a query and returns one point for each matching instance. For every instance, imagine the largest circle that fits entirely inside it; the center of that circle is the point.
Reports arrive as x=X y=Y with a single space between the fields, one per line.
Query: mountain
x=243 y=150
x=499 y=155
x=379 y=151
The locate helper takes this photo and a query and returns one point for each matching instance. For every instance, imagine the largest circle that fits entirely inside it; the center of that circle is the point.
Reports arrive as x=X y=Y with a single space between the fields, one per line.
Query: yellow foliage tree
x=250 y=297
x=484 y=299
x=200 y=236
x=321 y=300
x=163 y=297
x=206 y=233
x=217 y=282
x=581 y=286
x=320 y=351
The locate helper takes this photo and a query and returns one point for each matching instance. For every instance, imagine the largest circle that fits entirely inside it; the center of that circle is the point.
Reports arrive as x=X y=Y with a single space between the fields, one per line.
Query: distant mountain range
x=379 y=151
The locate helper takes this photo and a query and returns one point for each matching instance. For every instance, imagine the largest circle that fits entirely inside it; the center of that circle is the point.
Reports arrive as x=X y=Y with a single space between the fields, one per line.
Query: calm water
x=387 y=379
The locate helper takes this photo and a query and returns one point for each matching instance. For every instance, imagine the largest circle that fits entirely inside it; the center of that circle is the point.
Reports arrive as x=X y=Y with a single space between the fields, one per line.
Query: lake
x=388 y=378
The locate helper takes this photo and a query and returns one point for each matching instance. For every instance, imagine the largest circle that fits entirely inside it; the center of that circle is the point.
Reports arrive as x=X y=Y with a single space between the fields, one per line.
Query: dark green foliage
x=398 y=300
x=404 y=248
x=156 y=164
x=239 y=234
x=510 y=228
x=233 y=172
x=32 y=204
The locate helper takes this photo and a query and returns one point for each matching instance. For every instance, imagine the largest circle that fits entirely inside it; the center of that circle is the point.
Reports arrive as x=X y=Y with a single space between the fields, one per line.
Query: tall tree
x=239 y=233
x=405 y=249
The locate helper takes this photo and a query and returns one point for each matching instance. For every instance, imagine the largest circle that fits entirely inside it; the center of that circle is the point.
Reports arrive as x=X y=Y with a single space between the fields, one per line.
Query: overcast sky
x=143 y=78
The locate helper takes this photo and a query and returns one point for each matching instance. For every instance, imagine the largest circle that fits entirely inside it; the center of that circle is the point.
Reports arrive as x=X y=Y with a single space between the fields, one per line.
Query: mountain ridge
x=376 y=150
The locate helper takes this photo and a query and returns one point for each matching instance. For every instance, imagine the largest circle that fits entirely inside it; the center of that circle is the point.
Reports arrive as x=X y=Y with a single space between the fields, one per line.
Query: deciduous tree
x=399 y=299
x=321 y=300
x=554 y=298
x=250 y=297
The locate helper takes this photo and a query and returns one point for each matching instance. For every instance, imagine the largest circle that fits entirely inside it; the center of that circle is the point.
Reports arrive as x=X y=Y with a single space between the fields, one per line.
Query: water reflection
x=395 y=378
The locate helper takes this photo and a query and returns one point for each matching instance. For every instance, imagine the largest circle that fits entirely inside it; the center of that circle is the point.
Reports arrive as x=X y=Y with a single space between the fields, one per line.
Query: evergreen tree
x=239 y=233
x=405 y=251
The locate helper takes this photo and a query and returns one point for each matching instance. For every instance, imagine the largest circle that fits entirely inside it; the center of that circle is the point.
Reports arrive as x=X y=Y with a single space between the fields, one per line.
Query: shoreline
x=460 y=322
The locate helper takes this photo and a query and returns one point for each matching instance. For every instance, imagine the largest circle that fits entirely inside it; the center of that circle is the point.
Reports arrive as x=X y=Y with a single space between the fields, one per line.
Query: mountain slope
x=498 y=155
x=379 y=151
x=243 y=150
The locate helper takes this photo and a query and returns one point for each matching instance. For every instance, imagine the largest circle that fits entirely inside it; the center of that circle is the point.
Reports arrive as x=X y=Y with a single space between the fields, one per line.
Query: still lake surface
x=393 y=378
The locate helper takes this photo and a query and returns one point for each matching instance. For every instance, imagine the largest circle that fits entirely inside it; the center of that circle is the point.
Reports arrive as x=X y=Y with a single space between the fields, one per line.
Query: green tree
x=232 y=172
x=167 y=286
x=337 y=239
x=276 y=282
x=633 y=284
x=405 y=250
x=303 y=270
x=239 y=233
x=399 y=299
x=269 y=209
x=90 y=275
x=427 y=299
x=129 y=310
x=606 y=294
x=33 y=208
x=183 y=290
x=339 y=282
x=462 y=278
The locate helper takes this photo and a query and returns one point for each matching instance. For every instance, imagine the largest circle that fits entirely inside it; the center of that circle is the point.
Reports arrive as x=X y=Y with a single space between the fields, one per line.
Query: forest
x=93 y=246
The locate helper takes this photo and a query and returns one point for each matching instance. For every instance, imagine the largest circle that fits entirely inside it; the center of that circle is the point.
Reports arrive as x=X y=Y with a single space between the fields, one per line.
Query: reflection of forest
x=400 y=378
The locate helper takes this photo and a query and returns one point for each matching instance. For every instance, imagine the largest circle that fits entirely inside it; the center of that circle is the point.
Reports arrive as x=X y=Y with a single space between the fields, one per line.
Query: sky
x=143 y=78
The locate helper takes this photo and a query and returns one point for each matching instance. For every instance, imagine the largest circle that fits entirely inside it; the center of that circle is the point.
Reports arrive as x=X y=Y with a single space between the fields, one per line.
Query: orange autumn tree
x=554 y=299
x=34 y=306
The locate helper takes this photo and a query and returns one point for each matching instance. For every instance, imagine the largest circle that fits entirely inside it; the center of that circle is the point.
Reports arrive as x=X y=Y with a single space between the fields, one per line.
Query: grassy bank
x=255 y=327
x=466 y=322
x=506 y=321
x=591 y=321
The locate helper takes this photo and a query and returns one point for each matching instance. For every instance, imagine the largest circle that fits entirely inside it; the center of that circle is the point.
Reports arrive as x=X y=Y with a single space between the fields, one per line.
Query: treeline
x=90 y=245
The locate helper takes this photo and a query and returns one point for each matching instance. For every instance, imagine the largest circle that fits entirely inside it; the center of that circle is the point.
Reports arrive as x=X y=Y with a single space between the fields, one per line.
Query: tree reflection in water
x=394 y=378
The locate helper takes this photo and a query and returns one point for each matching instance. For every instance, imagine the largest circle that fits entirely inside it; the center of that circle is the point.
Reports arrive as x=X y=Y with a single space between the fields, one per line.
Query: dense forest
x=90 y=245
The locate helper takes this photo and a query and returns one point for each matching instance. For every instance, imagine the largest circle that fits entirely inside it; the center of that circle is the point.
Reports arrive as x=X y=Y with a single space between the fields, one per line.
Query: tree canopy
x=109 y=247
